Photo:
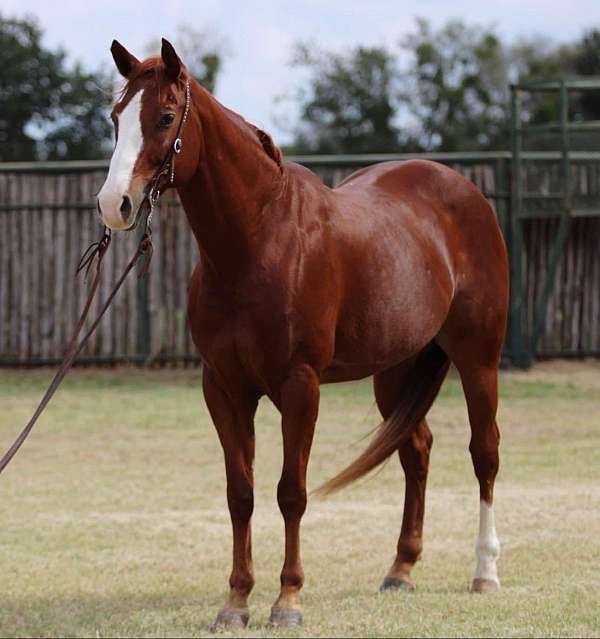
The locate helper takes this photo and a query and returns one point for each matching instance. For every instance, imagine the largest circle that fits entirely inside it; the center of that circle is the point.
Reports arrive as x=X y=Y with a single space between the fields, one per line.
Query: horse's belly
x=349 y=373
x=390 y=329
x=368 y=352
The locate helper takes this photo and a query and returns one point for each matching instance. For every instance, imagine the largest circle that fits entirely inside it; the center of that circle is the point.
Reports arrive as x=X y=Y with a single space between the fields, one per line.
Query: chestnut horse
x=395 y=273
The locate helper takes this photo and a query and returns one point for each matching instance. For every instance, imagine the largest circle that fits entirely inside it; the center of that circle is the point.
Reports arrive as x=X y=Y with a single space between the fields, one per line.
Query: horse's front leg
x=232 y=411
x=299 y=405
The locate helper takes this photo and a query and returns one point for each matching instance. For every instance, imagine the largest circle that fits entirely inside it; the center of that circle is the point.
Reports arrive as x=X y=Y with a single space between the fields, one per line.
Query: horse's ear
x=125 y=62
x=171 y=59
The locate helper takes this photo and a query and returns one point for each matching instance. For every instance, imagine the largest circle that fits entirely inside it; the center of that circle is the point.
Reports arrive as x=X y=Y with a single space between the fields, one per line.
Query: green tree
x=48 y=111
x=349 y=106
x=452 y=92
x=456 y=86
x=202 y=53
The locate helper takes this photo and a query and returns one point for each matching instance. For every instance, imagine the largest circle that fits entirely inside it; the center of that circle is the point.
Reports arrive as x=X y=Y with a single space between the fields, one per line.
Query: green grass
x=114 y=519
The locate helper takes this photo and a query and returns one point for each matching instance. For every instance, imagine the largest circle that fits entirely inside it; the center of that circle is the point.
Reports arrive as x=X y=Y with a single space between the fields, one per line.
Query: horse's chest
x=253 y=337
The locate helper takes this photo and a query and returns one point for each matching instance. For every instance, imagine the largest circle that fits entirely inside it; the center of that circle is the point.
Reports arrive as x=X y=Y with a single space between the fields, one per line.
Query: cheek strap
x=167 y=166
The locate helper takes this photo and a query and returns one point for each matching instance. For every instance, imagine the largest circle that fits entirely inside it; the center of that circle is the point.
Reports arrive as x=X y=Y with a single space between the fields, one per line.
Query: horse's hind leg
x=477 y=362
x=481 y=391
x=414 y=457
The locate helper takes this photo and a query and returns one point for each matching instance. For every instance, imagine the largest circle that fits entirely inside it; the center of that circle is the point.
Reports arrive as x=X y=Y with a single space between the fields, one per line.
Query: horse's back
x=417 y=181
x=424 y=236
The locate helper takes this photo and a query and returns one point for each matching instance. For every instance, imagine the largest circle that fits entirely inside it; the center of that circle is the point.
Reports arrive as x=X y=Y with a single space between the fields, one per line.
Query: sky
x=260 y=36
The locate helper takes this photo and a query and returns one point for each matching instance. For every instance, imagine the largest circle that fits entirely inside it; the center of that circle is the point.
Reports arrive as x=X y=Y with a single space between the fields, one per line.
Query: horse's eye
x=166 y=119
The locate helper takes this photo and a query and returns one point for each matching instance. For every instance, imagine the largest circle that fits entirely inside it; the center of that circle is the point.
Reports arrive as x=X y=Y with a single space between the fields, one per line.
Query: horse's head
x=147 y=119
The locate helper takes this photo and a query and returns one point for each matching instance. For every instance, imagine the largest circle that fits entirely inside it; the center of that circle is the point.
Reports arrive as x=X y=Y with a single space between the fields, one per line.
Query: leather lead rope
x=95 y=253
x=97 y=250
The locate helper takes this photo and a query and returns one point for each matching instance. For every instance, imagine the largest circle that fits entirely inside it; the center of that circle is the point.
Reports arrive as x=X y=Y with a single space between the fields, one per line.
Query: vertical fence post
x=519 y=355
x=501 y=186
x=502 y=202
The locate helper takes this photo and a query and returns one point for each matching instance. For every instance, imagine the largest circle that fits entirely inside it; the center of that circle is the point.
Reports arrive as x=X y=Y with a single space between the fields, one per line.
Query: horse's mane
x=270 y=148
x=154 y=65
x=265 y=140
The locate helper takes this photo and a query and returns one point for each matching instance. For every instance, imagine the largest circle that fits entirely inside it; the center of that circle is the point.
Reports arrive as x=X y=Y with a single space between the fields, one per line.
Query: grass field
x=114 y=522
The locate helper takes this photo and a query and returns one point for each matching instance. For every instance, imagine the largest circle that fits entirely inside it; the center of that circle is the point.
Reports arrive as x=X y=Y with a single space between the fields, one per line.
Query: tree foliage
x=48 y=110
x=445 y=89
x=349 y=106
x=52 y=110
x=456 y=86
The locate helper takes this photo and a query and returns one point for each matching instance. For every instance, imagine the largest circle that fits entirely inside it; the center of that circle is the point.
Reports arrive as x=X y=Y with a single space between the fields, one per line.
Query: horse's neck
x=234 y=181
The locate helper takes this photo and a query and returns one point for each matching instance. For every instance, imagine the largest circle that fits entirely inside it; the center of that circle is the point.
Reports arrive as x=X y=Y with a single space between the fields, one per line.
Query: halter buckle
x=153 y=196
x=177 y=145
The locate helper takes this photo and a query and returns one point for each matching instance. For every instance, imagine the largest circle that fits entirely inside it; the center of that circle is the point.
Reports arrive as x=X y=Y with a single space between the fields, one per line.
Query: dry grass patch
x=114 y=519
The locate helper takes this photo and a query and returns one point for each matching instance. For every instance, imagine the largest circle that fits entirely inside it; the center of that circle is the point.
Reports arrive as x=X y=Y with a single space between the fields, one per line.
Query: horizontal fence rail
x=47 y=219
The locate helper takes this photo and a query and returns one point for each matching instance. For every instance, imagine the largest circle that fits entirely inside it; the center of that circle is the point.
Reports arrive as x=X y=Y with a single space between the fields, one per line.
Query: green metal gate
x=558 y=202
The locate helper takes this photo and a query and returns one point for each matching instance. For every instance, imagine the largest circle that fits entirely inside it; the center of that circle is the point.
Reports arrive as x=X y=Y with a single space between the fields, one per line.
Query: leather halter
x=167 y=167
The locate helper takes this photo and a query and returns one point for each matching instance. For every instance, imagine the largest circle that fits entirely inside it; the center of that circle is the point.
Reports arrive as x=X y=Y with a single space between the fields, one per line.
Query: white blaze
x=125 y=155
x=488 y=546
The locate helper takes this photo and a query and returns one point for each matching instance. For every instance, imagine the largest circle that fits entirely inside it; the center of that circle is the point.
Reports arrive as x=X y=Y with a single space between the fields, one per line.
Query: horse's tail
x=422 y=385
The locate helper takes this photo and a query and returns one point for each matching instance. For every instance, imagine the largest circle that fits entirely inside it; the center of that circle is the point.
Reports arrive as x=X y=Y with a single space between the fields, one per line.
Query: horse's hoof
x=397 y=583
x=285 y=617
x=484 y=585
x=231 y=618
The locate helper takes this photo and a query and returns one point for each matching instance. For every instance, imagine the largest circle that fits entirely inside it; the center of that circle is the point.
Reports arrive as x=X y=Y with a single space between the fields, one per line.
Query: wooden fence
x=47 y=218
x=46 y=222
x=572 y=322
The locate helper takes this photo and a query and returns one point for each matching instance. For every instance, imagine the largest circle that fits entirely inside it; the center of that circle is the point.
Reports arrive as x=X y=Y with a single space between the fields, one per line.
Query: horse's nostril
x=98 y=209
x=125 y=208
